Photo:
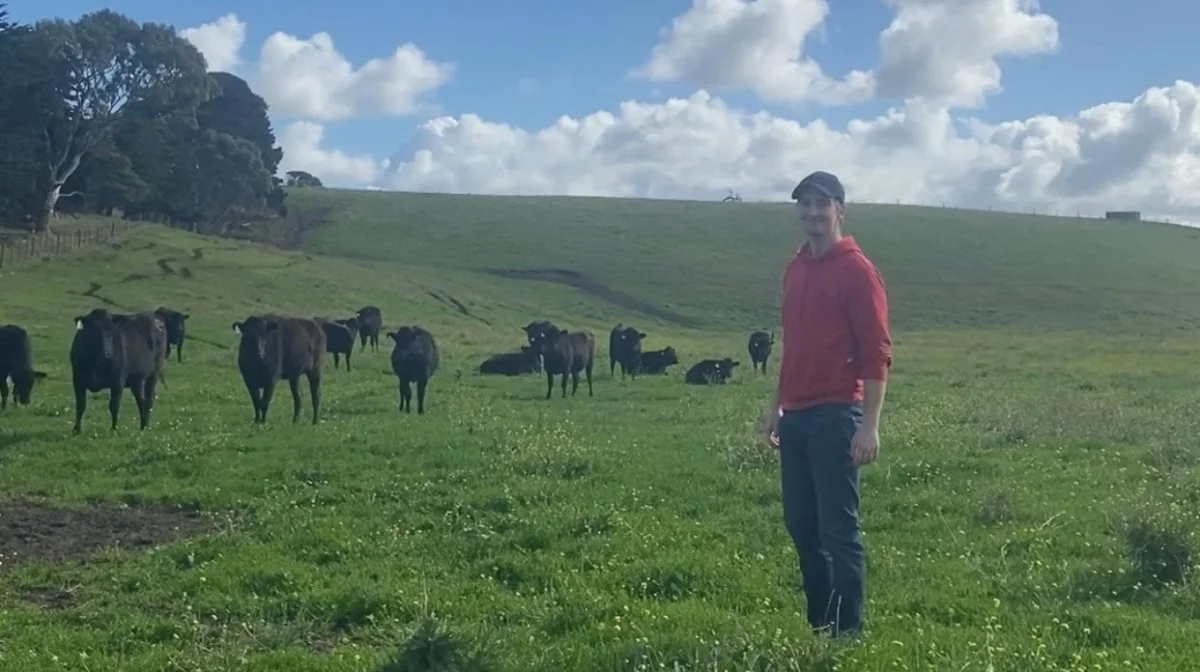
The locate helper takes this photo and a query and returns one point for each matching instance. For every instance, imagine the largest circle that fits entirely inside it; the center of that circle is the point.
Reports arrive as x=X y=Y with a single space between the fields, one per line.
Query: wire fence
x=21 y=248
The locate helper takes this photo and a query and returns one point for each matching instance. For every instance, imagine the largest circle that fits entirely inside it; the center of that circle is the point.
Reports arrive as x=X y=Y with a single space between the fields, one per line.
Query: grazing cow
x=760 y=349
x=657 y=361
x=414 y=359
x=117 y=351
x=339 y=338
x=16 y=362
x=625 y=348
x=273 y=347
x=513 y=363
x=710 y=371
x=566 y=353
x=370 y=323
x=176 y=324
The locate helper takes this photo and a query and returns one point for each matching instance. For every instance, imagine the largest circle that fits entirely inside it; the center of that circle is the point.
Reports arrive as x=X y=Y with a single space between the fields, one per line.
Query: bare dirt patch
x=598 y=289
x=36 y=532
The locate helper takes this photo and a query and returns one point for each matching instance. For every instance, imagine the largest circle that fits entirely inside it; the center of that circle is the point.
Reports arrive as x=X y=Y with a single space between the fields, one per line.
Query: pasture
x=1034 y=491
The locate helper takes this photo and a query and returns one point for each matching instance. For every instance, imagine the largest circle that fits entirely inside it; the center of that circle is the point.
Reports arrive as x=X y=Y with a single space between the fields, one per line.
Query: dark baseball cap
x=826 y=183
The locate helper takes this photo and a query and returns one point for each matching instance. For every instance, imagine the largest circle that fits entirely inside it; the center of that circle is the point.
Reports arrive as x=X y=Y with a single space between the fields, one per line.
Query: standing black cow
x=176 y=324
x=117 y=351
x=657 y=361
x=566 y=353
x=16 y=362
x=273 y=347
x=370 y=323
x=339 y=338
x=513 y=363
x=625 y=349
x=710 y=371
x=760 y=349
x=535 y=330
x=414 y=359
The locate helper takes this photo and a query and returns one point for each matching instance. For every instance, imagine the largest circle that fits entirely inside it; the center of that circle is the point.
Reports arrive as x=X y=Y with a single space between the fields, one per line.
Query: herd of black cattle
x=119 y=351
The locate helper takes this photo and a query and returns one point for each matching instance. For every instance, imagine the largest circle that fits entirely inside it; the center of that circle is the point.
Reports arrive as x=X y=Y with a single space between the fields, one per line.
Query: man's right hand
x=770 y=425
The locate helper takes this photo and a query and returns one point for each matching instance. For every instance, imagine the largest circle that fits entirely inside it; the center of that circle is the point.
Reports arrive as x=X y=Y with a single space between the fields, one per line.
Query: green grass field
x=1038 y=445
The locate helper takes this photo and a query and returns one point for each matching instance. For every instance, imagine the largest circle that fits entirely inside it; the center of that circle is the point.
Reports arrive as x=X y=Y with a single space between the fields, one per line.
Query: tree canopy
x=105 y=114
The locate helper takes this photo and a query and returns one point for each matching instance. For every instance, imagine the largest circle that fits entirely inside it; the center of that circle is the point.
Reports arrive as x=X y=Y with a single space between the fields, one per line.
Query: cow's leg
x=336 y=359
x=268 y=393
x=179 y=350
x=405 y=395
x=151 y=391
x=348 y=357
x=549 y=383
x=168 y=349
x=314 y=390
x=565 y=375
x=588 y=370
x=80 y=405
x=574 y=381
x=114 y=403
x=138 y=389
x=421 y=383
x=294 y=386
x=3 y=393
x=255 y=398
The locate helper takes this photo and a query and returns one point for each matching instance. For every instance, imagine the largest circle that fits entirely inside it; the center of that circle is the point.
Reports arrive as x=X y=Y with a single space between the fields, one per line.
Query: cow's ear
x=185 y=316
x=79 y=322
x=39 y=375
x=237 y=326
x=391 y=335
x=641 y=335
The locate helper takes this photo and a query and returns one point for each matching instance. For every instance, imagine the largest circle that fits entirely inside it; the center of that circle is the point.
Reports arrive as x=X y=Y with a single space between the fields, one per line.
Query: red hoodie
x=835 y=327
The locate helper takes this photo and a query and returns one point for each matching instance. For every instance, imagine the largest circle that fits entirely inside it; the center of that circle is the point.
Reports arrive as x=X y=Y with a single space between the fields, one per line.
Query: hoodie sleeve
x=868 y=311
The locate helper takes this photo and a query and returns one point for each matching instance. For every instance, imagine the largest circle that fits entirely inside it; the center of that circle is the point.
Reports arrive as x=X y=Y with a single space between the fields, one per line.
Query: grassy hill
x=1039 y=426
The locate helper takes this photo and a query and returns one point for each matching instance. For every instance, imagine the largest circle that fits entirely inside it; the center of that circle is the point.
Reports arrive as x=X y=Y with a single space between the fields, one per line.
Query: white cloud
x=220 y=41
x=309 y=78
x=301 y=143
x=731 y=44
x=1144 y=154
x=941 y=50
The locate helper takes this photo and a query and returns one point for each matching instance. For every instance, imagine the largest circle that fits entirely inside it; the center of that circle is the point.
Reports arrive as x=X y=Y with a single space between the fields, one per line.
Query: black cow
x=339 y=338
x=657 y=361
x=16 y=362
x=274 y=347
x=176 y=324
x=710 y=371
x=513 y=363
x=566 y=353
x=414 y=359
x=759 y=347
x=370 y=323
x=117 y=351
x=625 y=348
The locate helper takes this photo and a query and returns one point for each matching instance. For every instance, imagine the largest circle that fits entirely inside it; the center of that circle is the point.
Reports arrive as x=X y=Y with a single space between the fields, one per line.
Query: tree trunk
x=43 y=224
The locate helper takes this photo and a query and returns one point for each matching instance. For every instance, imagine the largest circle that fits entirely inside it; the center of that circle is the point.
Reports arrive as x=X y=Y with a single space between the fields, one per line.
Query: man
x=824 y=416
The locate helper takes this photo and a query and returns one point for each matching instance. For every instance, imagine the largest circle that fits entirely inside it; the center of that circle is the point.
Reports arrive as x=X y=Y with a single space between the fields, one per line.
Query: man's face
x=819 y=214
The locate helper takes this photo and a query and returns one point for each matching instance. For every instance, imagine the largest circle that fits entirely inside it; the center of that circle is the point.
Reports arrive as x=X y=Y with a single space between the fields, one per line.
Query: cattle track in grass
x=597 y=289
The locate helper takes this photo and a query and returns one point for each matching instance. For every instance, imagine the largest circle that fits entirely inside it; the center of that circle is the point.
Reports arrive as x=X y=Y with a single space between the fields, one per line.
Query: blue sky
x=578 y=52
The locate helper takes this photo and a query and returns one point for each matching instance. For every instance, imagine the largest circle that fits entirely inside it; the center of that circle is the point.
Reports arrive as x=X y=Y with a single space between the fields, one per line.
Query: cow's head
x=669 y=355
x=257 y=332
x=403 y=337
x=23 y=382
x=726 y=366
x=99 y=328
x=351 y=324
x=173 y=321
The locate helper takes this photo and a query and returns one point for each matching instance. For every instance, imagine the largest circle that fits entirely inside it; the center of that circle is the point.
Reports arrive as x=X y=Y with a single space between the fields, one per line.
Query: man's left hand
x=864 y=447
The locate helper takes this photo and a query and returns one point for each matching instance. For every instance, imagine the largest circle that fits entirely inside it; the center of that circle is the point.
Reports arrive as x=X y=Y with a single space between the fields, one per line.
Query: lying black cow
x=176 y=324
x=16 y=362
x=414 y=360
x=273 y=348
x=624 y=348
x=566 y=353
x=339 y=339
x=759 y=348
x=710 y=371
x=370 y=323
x=513 y=363
x=117 y=351
x=657 y=361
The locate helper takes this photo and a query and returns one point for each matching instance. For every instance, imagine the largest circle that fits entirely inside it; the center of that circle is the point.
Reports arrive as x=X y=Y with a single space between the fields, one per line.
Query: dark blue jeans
x=820 y=509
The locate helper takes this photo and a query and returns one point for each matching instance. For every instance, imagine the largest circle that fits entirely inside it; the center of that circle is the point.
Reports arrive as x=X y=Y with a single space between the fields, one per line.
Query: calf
x=273 y=348
x=513 y=363
x=624 y=348
x=566 y=353
x=370 y=323
x=710 y=371
x=759 y=347
x=114 y=352
x=176 y=324
x=414 y=359
x=339 y=338
x=657 y=361
x=16 y=362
